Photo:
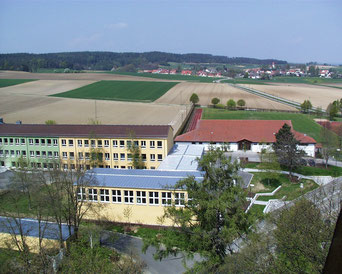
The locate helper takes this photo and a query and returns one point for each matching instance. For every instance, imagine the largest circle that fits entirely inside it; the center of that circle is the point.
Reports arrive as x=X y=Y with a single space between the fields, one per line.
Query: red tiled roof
x=107 y=131
x=237 y=130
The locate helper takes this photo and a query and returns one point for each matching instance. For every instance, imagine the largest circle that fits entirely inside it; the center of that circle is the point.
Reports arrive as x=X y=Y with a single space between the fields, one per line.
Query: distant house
x=186 y=72
x=247 y=135
x=164 y=71
x=173 y=71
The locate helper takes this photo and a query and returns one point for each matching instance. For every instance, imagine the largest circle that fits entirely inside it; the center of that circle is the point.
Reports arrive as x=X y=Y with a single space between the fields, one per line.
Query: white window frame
x=153 y=197
x=104 y=195
x=81 y=194
x=17 y=141
x=143 y=144
x=65 y=155
x=179 y=199
x=50 y=154
x=63 y=142
x=79 y=143
x=160 y=159
x=115 y=143
x=55 y=142
x=92 y=195
x=122 y=143
x=161 y=144
x=141 y=197
x=152 y=144
x=43 y=154
x=106 y=143
x=80 y=155
x=31 y=142
x=71 y=143
x=152 y=157
x=31 y=154
x=166 y=198
x=115 y=156
x=107 y=156
x=122 y=158
x=129 y=197
x=55 y=154
x=116 y=196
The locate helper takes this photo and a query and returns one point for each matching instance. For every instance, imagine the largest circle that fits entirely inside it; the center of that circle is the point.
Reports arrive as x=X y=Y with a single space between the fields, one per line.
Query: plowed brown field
x=181 y=93
x=319 y=96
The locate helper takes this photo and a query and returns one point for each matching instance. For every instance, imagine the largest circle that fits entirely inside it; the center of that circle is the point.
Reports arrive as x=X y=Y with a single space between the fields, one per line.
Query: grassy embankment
x=13 y=82
x=135 y=91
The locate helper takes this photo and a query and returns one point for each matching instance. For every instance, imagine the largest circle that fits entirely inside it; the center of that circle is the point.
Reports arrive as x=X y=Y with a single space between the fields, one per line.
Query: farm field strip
x=319 y=96
x=181 y=93
x=44 y=87
x=120 y=91
x=13 y=82
x=268 y=96
x=301 y=122
x=93 y=76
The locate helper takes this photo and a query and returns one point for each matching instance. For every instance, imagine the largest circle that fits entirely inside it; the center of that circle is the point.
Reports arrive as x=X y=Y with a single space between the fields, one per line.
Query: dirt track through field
x=76 y=76
x=319 y=96
x=181 y=93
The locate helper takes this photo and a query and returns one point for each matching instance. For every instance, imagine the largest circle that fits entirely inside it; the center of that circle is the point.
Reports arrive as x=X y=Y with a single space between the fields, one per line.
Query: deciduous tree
x=231 y=104
x=194 y=98
x=215 y=101
x=213 y=217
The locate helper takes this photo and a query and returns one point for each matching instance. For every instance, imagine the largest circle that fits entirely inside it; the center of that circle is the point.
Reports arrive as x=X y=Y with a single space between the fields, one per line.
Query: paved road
x=133 y=246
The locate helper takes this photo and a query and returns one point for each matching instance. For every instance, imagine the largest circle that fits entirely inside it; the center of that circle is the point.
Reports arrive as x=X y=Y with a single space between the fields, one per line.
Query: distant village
x=264 y=72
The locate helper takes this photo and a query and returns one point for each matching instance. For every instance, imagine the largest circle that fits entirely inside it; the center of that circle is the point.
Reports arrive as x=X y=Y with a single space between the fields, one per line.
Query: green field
x=13 y=82
x=301 y=122
x=169 y=77
x=134 y=91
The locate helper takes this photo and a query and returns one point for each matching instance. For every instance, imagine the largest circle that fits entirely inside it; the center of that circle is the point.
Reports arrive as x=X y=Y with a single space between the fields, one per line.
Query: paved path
x=133 y=246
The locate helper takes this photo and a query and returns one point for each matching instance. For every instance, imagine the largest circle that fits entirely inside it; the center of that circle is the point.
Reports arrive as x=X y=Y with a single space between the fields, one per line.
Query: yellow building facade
x=134 y=196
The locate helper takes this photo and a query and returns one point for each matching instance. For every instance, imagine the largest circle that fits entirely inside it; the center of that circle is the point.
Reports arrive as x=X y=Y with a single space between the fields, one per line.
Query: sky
x=298 y=31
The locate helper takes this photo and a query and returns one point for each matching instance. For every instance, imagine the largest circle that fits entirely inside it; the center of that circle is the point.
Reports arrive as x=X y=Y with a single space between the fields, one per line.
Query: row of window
x=105 y=143
x=82 y=167
x=128 y=197
x=106 y=156
x=33 y=154
x=22 y=141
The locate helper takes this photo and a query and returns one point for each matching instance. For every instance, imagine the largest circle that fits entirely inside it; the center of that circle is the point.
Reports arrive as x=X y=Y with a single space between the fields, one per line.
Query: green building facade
x=37 y=151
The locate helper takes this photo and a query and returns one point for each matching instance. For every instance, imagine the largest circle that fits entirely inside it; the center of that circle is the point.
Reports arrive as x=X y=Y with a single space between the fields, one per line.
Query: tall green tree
x=215 y=101
x=332 y=110
x=329 y=142
x=211 y=220
x=286 y=149
x=306 y=106
x=231 y=104
x=194 y=98
x=241 y=103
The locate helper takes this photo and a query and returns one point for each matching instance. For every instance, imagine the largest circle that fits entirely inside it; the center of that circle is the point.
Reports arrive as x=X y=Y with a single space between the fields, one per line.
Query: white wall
x=255 y=147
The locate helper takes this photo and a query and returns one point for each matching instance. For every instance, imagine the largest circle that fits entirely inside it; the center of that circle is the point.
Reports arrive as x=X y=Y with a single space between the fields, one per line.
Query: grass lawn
x=303 y=123
x=120 y=91
x=7 y=205
x=13 y=82
x=169 y=77
x=305 y=170
x=289 y=189
x=257 y=209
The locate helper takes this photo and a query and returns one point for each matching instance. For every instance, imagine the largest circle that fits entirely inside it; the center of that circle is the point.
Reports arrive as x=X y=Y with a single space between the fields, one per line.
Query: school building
x=83 y=146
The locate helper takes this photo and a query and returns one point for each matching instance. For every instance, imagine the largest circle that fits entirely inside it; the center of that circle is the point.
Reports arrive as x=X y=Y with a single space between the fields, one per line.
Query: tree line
x=108 y=60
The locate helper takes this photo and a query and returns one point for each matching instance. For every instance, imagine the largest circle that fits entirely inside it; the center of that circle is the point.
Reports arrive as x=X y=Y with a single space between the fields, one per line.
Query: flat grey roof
x=140 y=178
x=30 y=228
x=148 y=178
x=182 y=157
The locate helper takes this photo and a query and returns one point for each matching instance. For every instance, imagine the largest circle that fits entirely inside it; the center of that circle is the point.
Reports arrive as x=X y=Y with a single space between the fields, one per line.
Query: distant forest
x=109 y=60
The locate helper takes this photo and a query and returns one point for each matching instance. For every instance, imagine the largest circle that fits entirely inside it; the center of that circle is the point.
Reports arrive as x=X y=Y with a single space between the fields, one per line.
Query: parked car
x=303 y=162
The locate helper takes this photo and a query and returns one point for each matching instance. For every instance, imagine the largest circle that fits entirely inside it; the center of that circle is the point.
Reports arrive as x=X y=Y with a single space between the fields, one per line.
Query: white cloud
x=117 y=26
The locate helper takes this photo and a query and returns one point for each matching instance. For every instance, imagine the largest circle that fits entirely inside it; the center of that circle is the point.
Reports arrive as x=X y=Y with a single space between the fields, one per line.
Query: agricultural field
x=134 y=91
x=181 y=93
x=13 y=82
x=93 y=76
x=176 y=77
x=301 y=122
x=319 y=96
